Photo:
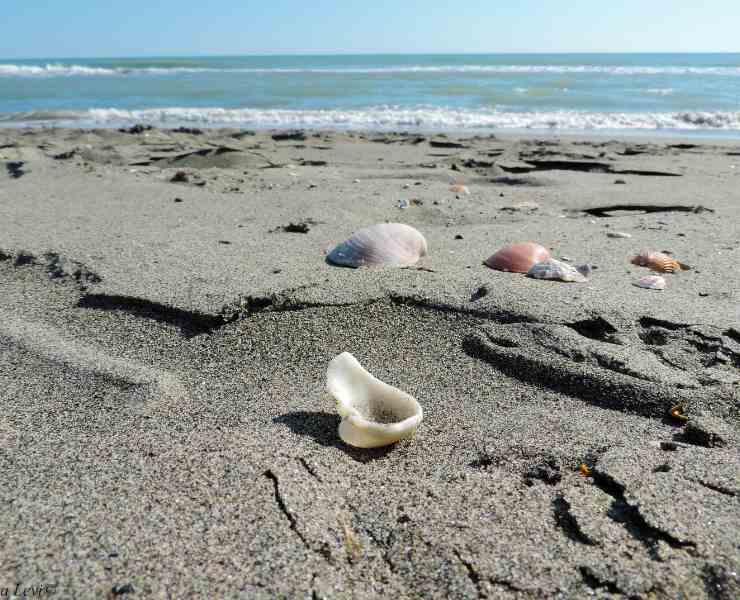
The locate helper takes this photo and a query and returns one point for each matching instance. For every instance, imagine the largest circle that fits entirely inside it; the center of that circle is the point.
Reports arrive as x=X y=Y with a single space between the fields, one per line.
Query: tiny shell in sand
x=651 y=282
x=390 y=244
x=556 y=270
x=658 y=261
x=518 y=258
x=373 y=413
x=460 y=189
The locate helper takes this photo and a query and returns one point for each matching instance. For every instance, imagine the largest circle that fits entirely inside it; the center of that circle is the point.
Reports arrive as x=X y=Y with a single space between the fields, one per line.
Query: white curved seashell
x=651 y=282
x=373 y=413
x=384 y=244
x=558 y=270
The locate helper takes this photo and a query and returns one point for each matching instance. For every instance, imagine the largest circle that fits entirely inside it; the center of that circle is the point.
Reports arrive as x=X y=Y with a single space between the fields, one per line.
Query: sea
x=686 y=94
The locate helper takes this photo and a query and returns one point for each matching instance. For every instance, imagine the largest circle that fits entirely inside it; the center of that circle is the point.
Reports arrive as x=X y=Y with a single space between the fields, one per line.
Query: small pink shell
x=651 y=282
x=518 y=258
x=458 y=188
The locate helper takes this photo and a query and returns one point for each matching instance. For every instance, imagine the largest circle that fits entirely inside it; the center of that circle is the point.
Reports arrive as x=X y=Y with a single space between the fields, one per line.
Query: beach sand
x=165 y=431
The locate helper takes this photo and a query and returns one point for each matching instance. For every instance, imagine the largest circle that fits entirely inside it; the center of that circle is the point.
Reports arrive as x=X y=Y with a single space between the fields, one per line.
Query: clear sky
x=102 y=28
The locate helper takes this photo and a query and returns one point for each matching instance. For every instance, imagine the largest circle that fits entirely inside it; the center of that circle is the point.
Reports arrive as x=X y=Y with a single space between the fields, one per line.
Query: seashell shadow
x=322 y=427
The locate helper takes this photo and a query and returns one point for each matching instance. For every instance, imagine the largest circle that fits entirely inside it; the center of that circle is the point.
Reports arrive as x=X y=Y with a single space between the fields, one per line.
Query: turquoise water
x=691 y=93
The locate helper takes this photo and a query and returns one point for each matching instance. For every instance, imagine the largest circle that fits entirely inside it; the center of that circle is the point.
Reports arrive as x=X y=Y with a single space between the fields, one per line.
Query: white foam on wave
x=64 y=70
x=58 y=70
x=660 y=91
x=389 y=117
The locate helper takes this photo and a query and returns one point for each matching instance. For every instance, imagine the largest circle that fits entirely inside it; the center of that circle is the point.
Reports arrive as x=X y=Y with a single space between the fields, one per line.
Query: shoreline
x=623 y=135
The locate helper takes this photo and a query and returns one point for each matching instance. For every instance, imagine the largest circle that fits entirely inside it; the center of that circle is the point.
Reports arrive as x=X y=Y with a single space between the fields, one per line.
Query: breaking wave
x=67 y=70
x=383 y=117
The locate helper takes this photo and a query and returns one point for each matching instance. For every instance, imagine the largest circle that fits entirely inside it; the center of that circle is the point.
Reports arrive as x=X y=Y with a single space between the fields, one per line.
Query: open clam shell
x=393 y=244
x=518 y=258
x=373 y=413
x=557 y=270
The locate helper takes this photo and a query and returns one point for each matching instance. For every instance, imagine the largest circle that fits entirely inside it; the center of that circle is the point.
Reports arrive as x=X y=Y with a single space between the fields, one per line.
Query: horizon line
x=329 y=54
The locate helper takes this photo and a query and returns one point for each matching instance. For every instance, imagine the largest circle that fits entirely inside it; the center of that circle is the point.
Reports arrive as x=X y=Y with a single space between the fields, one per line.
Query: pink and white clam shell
x=389 y=244
x=518 y=258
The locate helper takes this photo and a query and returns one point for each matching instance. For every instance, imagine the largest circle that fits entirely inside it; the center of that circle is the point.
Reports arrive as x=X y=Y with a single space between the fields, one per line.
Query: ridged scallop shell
x=557 y=270
x=384 y=244
x=651 y=282
x=458 y=188
x=373 y=413
x=518 y=258
x=657 y=261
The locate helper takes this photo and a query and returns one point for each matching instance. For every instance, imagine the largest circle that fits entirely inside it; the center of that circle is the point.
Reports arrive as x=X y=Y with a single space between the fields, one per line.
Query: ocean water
x=628 y=93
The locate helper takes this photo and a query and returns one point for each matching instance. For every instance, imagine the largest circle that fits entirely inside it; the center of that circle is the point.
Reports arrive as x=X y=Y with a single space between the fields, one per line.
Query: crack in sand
x=190 y=323
x=605 y=211
x=323 y=552
x=566 y=521
x=629 y=515
x=714 y=487
x=473 y=575
x=596 y=583
x=304 y=463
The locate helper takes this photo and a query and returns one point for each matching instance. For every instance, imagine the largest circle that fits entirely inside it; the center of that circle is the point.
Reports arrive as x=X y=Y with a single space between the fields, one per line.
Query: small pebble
x=479 y=293
x=458 y=237
x=617 y=234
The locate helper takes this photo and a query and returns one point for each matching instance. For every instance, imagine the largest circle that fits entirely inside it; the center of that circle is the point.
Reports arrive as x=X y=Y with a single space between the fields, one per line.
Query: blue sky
x=89 y=28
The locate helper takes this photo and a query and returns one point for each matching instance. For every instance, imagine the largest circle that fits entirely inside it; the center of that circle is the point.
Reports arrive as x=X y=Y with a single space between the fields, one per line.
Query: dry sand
x=164 y=426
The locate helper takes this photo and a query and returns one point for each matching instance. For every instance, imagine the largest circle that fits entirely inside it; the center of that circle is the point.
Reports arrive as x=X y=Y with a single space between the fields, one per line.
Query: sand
x=164 y=426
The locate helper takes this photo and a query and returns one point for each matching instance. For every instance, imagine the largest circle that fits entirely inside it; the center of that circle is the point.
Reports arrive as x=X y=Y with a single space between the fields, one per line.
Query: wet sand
x=164 y=426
